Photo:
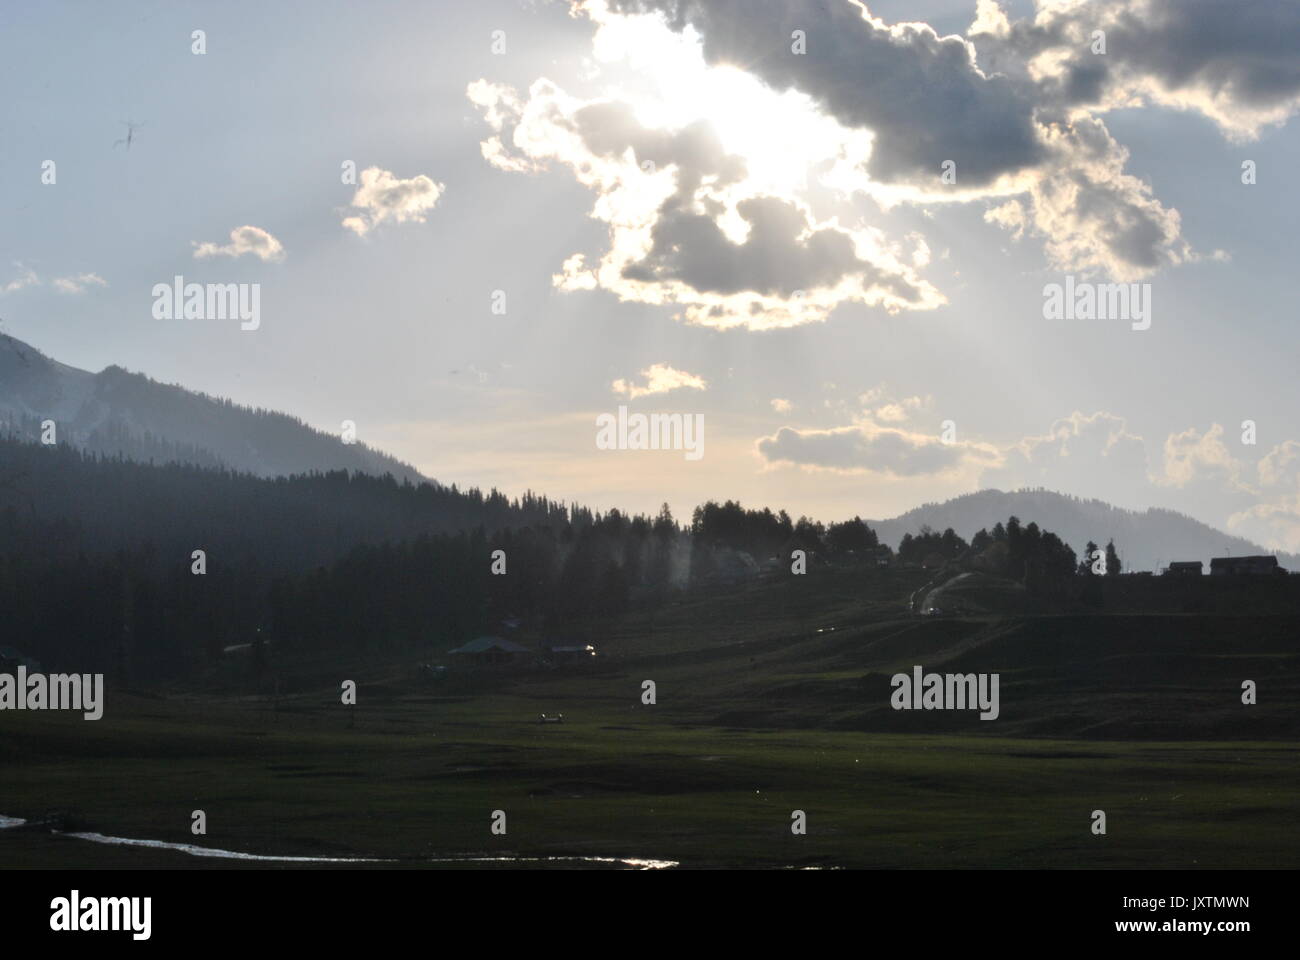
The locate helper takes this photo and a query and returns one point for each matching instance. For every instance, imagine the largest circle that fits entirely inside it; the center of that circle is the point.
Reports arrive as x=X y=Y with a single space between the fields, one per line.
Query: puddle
x=197 y=851
x=626 y=861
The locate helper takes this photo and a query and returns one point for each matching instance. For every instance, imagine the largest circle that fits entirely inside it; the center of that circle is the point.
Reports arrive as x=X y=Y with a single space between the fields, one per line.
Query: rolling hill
x=116 y=412
x=1145 y=539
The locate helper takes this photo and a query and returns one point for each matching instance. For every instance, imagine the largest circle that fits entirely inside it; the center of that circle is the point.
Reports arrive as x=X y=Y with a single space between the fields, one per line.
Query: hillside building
x=1244 y=566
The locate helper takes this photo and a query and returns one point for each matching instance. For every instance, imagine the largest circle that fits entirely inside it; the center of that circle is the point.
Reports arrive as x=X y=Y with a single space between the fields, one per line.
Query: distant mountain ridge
x=116 y=412
x=1145 y=539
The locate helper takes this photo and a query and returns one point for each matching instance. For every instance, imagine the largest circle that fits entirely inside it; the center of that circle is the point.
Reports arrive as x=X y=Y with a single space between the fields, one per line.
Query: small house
x=488 y=650
x=1244 y=566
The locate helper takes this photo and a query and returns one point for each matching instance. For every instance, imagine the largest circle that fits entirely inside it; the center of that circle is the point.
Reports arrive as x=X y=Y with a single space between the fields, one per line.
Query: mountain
x=117 y=412
x=1145 y=539
x=62 y=504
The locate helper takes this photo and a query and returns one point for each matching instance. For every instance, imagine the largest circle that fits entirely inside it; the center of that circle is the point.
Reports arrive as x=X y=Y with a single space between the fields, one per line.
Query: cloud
x=688 y=222
x=72 y=284
x=382 y=197
x=899 y=411
x=660 y=378
x=1280 y=467
x=1094 y=454
x=781 y=405
x=1275 y=525
x=1093 y=216
x=500 y=106
x=243 y=240
x=706 y=167
x=1099 y=455
x=26 y=278
x=868 y=447
x=922 y=95
x=1233 y=63
x=1014 y=105
x=79 y=283
x=881 y=404
x=1010 y=216
x=1275 y=519
x=1081 y=450
x=1193 y=455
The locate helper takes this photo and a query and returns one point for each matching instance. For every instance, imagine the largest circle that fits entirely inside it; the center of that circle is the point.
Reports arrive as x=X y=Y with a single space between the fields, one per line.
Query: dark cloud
x=774 y=259
x=1234 y=62
x=729 y=252
x=781 y=254
x=858 y=448
x=922 y=94
x=926 y=101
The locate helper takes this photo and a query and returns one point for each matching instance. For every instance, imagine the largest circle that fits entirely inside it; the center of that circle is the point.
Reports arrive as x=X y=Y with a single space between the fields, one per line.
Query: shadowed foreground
x=757 y=716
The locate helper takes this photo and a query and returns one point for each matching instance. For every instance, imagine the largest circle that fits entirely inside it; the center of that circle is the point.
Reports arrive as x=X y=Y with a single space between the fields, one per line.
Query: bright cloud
x=870 y=447
x=1191 y=455
x=382 y=197
x=703 y=185
x=1012 y=108
x=243 y=240
x=659 y=378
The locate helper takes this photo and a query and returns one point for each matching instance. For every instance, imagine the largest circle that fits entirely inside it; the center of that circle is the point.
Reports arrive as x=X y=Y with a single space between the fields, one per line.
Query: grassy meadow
x=771 y=697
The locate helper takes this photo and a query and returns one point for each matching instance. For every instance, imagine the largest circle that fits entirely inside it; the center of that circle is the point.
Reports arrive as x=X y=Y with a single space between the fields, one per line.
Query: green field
x=772 y=697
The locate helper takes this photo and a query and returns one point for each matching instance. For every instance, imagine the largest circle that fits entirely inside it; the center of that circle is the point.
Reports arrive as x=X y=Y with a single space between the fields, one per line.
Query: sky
x=829 y=229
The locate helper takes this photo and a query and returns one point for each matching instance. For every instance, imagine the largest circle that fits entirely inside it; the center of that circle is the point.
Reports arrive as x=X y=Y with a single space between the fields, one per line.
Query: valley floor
x=1140 y=718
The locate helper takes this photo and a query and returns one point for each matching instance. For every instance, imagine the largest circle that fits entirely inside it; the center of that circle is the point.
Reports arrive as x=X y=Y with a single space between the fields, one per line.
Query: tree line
x=97 y=560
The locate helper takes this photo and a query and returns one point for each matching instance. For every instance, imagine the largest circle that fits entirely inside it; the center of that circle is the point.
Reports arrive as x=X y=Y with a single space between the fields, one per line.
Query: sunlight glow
x=784 y=138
